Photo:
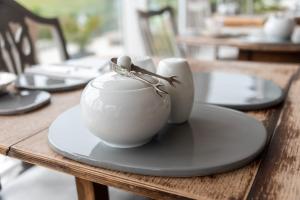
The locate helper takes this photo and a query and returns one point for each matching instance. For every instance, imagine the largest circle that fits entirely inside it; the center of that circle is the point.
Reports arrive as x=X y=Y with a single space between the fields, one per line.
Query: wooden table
x=249 y=51
x=274 y=175
x=243 y=20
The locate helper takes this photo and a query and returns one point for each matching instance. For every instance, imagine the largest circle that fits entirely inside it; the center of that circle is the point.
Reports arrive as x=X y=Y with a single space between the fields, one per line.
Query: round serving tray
x=22 y=101
x=214 y=140
x=48 y=83
x=237 y=91
x=260 y=38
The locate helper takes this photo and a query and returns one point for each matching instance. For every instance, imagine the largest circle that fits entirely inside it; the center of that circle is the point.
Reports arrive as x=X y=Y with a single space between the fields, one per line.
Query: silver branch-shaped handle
x=171 y=80
x=137 y=72
x=157 y=86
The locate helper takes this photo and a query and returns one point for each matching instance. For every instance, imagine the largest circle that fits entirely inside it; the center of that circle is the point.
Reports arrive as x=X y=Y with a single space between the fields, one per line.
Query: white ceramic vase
x=279 y=27
x=182 y=96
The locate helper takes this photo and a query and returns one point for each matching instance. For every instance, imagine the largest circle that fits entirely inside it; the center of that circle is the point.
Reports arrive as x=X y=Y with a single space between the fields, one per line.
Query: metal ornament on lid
x=125 y=67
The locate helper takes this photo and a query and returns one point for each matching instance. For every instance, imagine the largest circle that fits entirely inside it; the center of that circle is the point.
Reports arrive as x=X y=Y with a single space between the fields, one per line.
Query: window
x=90 y=26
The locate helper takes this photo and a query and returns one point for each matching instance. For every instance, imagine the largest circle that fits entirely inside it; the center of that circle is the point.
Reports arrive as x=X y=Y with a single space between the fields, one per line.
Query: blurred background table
x=249 y=50
x=243 y=20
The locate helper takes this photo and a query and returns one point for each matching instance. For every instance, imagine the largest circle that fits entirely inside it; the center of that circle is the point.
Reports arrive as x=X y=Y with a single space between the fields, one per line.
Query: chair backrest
x=17 y=49
x=158 y=29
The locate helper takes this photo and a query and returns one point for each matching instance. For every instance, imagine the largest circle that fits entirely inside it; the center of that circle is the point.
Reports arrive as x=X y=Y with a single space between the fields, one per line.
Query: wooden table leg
x=244 y=55
x=269 y=56
x=87 y=190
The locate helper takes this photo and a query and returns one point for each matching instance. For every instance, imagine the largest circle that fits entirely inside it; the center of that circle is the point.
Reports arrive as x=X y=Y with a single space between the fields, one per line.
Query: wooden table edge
x=4 y=150
x=234 y=42
x=105 y=179
x=256 y=181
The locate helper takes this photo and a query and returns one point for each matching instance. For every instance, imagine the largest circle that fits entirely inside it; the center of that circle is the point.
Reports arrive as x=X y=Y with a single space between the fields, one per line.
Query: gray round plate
x=262 y=39
x=237 y=91
x=23 y=101
x=214 y=140
x=51 y=84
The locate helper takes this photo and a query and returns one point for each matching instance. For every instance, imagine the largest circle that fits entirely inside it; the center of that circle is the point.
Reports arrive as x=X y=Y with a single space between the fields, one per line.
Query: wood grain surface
x=18 y=127
x=240 y=20
x=238 y=43
x=231 y=185
x=279 y=175
x=87 y=190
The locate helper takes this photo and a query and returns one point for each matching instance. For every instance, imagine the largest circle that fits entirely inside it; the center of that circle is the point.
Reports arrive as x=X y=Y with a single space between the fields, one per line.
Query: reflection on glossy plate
x=23 y=101
x=48 y=83
x=237 y=91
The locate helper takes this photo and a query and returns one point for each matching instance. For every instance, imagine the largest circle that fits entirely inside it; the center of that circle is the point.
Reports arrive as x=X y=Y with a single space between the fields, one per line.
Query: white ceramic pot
x=123 y=112
x=279 y=28
x=145 y=63
x=182 y=96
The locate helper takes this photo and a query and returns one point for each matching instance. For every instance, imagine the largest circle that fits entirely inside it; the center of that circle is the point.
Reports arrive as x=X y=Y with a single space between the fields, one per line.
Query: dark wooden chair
x=161 y=41
x=17 y=49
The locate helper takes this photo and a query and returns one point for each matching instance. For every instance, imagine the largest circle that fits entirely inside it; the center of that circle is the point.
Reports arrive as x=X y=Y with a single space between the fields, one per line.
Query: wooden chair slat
x=13 y=13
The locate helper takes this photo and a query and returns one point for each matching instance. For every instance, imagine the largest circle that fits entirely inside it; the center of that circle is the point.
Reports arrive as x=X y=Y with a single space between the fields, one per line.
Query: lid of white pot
x=116 y=82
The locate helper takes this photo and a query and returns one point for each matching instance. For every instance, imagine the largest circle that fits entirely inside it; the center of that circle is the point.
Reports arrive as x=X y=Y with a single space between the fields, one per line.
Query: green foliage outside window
x=80 y=19
x=259 y=6
x=80 y=31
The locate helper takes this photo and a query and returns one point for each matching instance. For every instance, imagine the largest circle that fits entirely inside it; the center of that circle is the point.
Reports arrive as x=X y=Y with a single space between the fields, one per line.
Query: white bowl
x=123 y=112
x=279 y=28
x=6 y=79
